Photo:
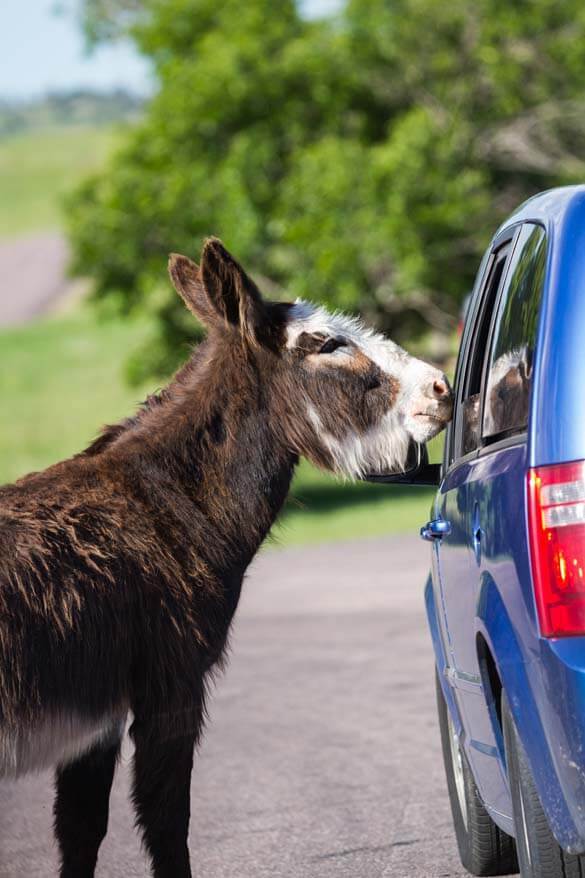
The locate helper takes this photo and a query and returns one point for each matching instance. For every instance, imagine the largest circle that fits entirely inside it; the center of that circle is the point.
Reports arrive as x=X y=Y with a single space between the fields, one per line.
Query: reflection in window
x=470 y=430
x=510 y=365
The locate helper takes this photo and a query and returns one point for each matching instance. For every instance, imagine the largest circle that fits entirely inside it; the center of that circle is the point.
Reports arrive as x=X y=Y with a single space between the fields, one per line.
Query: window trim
x=490 y=441
x=507 y=236
x=506 y=239
x=501 y=257
x=501 y=442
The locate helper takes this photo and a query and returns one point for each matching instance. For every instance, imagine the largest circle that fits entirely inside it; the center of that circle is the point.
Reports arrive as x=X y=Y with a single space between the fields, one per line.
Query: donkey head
x=338 y=393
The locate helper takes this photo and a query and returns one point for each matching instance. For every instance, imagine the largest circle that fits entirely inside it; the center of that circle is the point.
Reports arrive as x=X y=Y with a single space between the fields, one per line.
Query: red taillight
x=556 y=522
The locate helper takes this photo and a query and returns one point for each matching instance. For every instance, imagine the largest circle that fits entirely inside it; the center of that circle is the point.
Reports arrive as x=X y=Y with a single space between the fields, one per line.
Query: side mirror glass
x=417 y=471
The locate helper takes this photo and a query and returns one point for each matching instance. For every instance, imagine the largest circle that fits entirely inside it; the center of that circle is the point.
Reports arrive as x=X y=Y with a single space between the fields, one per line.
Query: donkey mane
x=159 y=398
x=111 y=432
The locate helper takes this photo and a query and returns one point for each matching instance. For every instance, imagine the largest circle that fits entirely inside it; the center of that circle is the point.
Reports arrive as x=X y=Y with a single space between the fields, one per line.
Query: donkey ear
x=233 y=295
x=186 y=277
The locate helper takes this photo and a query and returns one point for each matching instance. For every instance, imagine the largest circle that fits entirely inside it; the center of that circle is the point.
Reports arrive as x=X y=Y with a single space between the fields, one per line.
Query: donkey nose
x=441 y=389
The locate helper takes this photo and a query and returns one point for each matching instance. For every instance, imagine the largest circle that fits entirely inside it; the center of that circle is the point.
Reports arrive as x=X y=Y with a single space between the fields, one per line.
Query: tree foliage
x=363 y=160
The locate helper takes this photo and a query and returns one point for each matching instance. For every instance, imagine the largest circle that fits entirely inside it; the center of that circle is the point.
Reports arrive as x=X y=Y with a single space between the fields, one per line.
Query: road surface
x=321 y=758
x=32 y=276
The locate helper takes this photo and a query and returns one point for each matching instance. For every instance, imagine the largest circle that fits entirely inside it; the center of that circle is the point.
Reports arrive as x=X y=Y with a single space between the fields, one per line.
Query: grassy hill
x=77 y=107
x=39 y=165
x=48 y=144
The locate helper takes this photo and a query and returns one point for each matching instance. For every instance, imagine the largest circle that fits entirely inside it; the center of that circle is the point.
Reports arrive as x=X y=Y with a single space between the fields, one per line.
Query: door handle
x=476 y=534
x=435 y=529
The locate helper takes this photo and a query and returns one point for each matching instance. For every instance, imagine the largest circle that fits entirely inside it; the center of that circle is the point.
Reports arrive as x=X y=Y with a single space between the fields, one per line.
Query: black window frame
x=512 y=435
x=502 y=246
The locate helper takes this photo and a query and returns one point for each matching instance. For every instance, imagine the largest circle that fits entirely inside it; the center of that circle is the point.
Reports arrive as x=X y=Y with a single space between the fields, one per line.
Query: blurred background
x=359 y=153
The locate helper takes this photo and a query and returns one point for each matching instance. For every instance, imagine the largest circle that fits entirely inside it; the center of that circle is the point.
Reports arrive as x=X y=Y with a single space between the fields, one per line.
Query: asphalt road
x=321 y=758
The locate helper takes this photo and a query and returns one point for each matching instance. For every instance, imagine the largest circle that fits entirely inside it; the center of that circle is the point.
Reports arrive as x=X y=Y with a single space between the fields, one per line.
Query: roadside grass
x=323 y=509
x=38 y=167
x=62 y=378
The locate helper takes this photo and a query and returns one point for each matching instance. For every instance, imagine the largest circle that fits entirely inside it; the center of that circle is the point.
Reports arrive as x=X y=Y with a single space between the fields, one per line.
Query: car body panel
x=480 y=603
x=454 y=563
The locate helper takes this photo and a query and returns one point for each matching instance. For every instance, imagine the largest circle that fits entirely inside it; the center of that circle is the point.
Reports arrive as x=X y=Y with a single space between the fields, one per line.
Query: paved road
x=322 y=758
x=32 y=276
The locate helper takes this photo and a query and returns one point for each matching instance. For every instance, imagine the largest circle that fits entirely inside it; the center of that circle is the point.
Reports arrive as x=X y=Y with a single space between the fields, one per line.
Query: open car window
x=467 y=431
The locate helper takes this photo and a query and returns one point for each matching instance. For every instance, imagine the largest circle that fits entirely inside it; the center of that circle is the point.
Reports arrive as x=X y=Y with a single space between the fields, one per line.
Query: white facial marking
x=511 y=360
x=409 y=416
x=314 y=319
x=383 y=447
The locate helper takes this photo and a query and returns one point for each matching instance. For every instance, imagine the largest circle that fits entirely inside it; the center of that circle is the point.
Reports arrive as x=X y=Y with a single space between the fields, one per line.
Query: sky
x=42 y=50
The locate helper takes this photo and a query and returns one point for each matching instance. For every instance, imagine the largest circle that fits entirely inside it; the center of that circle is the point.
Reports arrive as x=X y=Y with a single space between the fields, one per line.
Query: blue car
x=506 y=595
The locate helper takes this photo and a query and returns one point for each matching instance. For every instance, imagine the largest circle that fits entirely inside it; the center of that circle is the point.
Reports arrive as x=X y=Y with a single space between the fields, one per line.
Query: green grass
x=38 y=167
x=323 y=509
x=62 y=378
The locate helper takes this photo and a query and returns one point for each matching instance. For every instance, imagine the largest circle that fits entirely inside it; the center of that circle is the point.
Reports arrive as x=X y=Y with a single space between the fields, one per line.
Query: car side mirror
x=417 y=471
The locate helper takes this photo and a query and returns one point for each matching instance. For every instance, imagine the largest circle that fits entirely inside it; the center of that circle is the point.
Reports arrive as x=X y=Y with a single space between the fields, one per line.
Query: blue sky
x=41 y=51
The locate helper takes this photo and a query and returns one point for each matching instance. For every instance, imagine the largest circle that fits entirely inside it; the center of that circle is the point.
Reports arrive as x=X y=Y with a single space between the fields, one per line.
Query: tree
x=363 y=160
x=105 y=20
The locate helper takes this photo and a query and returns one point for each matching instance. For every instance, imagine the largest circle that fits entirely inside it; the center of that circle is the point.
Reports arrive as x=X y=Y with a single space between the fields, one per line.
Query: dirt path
x=32 y=276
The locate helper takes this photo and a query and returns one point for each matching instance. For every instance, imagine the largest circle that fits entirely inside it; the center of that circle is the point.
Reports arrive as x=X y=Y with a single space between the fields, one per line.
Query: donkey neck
x=212 y=436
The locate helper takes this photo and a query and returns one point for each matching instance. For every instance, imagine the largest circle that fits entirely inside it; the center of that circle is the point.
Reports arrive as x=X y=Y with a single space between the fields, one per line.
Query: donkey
x=121 y=568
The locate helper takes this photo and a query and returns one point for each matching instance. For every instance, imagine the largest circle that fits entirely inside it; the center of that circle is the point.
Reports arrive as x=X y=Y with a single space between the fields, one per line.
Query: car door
x=482 y=497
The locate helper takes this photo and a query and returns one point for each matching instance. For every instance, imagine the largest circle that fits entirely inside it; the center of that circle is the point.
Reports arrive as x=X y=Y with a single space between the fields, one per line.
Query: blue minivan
x=506 y=595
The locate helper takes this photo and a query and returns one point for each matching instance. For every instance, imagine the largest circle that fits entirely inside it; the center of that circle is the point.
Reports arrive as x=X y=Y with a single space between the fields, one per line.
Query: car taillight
x=556 y=522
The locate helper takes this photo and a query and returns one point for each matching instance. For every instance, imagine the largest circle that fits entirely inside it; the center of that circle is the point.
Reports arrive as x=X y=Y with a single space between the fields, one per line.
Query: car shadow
x=323 y=498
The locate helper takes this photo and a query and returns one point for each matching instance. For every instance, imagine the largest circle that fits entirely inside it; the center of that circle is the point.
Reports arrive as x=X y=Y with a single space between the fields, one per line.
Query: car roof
x=549 y=208
x=557 y=419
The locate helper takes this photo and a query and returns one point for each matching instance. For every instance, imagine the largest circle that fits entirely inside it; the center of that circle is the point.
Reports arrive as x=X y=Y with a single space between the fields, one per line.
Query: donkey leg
x=161 y=796
x=81 y=808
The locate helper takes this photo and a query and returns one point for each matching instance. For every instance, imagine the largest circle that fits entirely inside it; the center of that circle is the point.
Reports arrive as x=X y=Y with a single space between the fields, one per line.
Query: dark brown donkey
x=121 y=568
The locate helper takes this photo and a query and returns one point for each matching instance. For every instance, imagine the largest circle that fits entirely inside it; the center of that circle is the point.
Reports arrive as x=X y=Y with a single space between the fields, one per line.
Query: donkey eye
x=331 y=345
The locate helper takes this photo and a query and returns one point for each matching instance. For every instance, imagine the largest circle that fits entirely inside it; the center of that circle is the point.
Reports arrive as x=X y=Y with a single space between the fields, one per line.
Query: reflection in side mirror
x=418 y=470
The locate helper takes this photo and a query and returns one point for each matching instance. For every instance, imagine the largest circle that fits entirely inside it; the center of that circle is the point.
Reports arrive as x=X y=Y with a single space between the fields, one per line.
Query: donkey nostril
x=440 y=388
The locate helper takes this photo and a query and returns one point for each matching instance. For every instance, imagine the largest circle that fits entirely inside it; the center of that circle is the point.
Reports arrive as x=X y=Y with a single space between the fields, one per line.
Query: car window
x=509 y=371
x=467 y=428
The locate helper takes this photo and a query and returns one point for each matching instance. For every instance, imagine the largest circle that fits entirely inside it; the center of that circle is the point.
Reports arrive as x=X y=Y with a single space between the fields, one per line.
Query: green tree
x=361 y=160
x=105 y=20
